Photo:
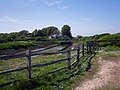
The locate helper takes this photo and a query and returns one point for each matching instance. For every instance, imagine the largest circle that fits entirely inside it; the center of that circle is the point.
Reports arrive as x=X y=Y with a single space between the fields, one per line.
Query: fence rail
x=114 y=40
x=79 y=48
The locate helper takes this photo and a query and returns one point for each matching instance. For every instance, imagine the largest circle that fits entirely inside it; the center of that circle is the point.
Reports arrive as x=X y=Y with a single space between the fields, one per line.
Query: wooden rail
x=80 y=50
x=113 y=40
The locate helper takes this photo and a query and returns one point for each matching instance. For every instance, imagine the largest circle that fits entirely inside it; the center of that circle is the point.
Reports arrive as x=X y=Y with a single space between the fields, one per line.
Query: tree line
x=37 y=34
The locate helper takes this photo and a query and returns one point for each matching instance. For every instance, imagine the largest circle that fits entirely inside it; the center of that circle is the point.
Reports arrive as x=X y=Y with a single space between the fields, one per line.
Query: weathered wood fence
x=81 y=49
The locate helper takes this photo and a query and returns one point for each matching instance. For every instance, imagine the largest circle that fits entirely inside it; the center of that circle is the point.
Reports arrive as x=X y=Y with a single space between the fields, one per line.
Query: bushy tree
x=34 y=33
x=46 y=31
x=66 y=31
x=23 y=33
x=12 y=36
x=52 y=30
x=37 y=33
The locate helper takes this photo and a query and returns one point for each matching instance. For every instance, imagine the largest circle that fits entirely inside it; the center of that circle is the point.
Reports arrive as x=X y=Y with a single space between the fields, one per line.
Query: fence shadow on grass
x=54 y=78
x=77 y=68
x=49 y=80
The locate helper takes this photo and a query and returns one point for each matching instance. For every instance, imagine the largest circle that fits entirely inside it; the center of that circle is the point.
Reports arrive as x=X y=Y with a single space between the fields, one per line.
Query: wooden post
x=87 y=48
x=83 y=49
x=28 y=63
x=90 y=48
x=78 y=53
x=68 y=61
x=93 y=47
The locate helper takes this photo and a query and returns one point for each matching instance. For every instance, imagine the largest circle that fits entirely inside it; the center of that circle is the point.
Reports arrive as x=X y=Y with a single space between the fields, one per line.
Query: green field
x=63 y=79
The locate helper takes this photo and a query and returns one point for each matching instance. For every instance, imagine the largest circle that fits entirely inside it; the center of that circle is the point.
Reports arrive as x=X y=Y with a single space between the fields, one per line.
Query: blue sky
x=85 y=17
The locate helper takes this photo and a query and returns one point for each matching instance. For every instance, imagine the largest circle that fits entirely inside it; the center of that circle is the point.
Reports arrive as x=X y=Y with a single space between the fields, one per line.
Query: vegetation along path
x=107 y=76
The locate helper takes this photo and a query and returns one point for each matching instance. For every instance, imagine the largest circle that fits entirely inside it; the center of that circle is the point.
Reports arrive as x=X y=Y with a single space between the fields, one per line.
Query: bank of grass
x=25 y=44
x=112 y=48
x=61 y=80
x=20 y=46
x=109 y=52
x=16 y=45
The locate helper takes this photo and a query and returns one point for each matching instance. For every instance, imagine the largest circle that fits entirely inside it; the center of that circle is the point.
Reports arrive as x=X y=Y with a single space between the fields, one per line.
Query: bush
x=16 y=45
x=41 y=39
x=112 y=48
x=110 y=37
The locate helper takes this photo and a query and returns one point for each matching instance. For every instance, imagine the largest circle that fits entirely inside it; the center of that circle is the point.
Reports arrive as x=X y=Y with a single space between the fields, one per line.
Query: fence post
x=91 y=47
x=87 y=47
x=83 y=49
x=69 y=57
x=28 y=63
x=78 y=53
x=90 y=51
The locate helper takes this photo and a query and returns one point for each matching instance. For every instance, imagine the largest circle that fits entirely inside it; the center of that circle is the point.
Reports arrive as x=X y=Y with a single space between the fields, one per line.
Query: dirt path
x=108 y=75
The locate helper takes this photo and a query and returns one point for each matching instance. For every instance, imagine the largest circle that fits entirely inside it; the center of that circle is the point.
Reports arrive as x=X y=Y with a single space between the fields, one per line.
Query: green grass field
x=63 y=79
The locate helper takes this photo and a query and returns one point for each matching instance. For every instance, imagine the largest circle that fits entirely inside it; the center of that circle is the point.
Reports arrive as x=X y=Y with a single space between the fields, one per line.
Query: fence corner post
x=78 y=53
x=69 y=57
x=83 y=49
x=28 y=63
x=90 y=48
x=87 y=48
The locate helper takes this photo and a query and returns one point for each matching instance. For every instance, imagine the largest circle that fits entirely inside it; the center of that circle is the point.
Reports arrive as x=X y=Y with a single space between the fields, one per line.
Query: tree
x=66 y=31
x=52 y=30
x=34 y=33
x=41 y=33
x=44 y=30
x=48 y=31
x=37 y=33
x=12 y=36
x=23 y=33
x=3 y=37
x=79 y=36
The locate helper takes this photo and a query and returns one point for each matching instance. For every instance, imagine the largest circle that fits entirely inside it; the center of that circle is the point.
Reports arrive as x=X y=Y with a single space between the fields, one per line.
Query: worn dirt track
x=108 y=75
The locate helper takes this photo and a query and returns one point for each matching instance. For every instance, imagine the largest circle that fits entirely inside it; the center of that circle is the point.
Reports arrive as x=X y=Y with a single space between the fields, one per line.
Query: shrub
x=16 y=45
x=112 y=48
x=110 y=37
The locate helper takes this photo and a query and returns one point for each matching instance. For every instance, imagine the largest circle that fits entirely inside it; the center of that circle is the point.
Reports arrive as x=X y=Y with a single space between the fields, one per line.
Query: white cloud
x=51 y=3
x=13 y=20
x=56 y=2
x=63 y=7
x=8 y=19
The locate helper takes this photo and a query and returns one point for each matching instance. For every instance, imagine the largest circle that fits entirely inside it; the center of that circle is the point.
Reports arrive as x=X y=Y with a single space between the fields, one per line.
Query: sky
x=85 y=17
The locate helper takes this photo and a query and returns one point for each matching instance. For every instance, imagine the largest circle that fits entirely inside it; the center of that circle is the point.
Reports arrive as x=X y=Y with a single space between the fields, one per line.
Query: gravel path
x=108 y=75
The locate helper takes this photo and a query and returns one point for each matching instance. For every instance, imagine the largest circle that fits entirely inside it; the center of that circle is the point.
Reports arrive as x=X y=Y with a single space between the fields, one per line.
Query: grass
x=20 y=46
x=112 y=48
x=109 y=52
x=63 y=79
x=16 y=45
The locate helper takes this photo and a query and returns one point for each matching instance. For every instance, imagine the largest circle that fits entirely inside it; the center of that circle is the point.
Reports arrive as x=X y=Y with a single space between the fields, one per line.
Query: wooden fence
x=113 y=40
x=81 y=48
